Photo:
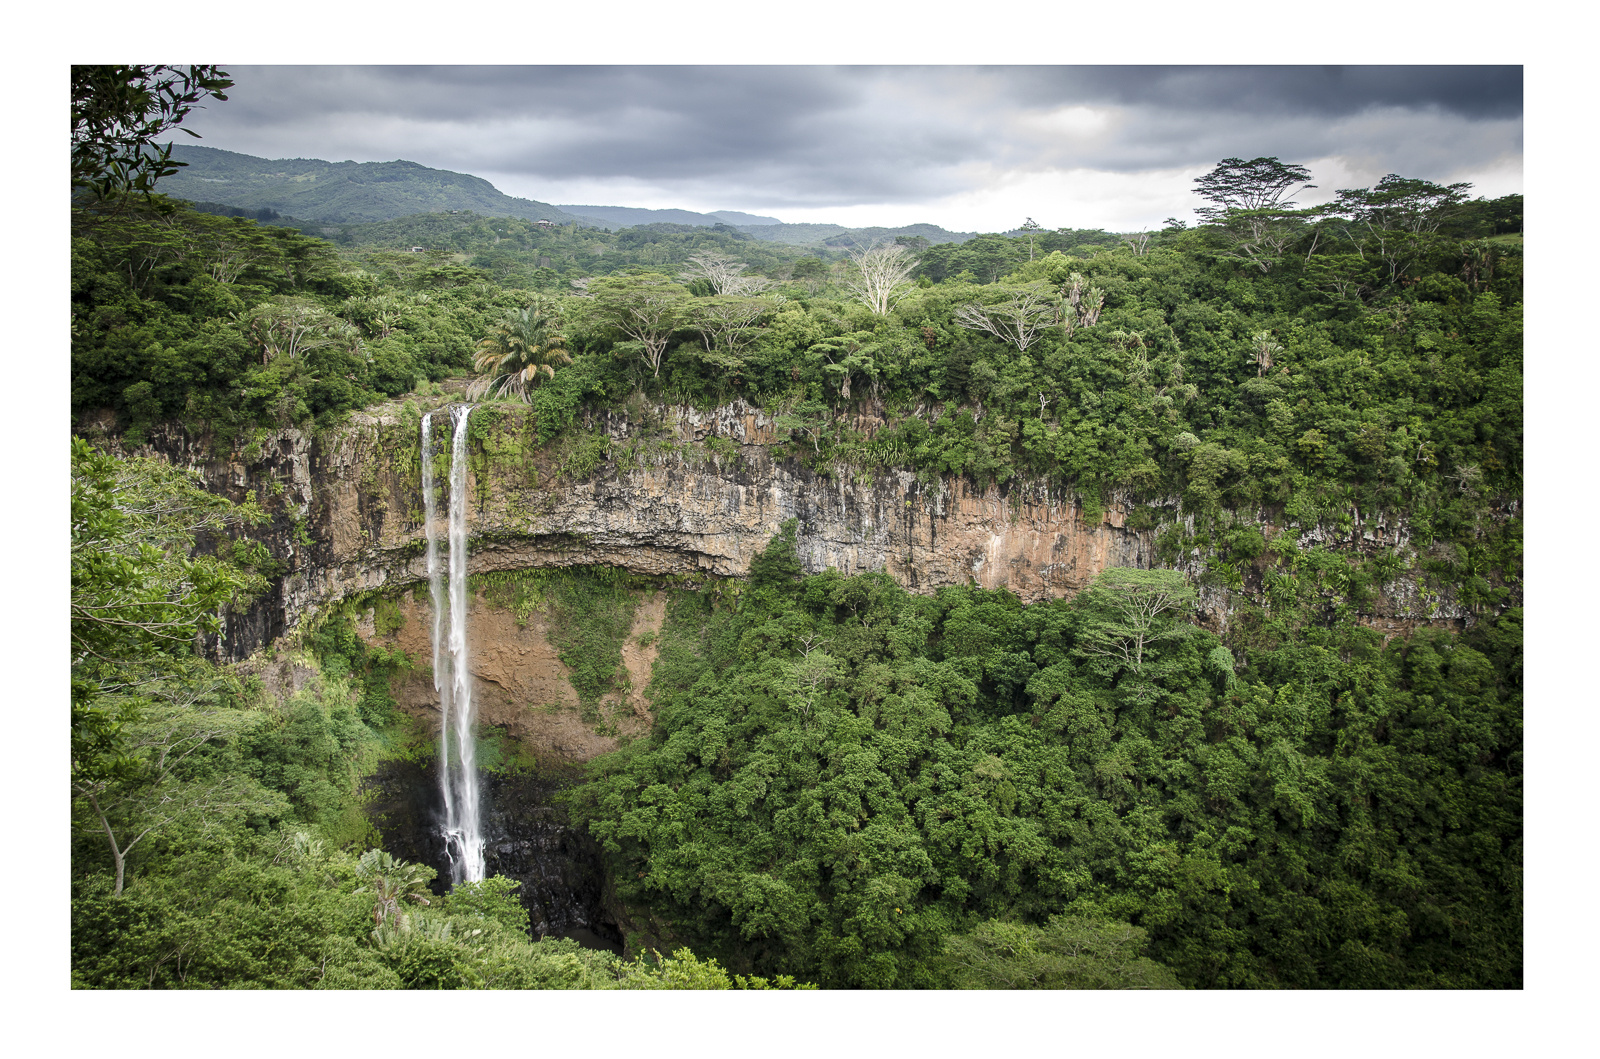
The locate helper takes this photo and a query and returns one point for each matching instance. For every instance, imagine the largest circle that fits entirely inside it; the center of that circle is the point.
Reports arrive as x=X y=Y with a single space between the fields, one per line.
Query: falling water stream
x=504 y=821
x=452 y=679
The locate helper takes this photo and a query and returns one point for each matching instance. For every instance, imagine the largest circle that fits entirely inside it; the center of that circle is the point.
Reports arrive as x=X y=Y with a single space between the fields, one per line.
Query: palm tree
x=1262 y=351
x=519 y=351
x=393 y=881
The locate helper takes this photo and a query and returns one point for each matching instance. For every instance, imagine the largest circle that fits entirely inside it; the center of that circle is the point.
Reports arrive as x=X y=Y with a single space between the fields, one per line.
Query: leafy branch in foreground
x=139 y=597
x=118 y=112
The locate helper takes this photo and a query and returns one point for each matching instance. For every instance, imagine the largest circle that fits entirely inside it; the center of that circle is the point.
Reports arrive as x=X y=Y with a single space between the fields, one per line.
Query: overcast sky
x=968 y=148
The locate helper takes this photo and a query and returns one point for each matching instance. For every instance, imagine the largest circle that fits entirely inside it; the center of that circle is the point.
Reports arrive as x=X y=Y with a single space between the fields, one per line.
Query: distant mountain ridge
x=838 y=235
x=342 y=192
x=629 y=216
x=316 y=191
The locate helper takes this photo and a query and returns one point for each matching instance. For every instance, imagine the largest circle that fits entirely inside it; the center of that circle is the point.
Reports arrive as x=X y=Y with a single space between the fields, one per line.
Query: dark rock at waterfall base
x=559 y=866
x=406 y=807
x=526 y=838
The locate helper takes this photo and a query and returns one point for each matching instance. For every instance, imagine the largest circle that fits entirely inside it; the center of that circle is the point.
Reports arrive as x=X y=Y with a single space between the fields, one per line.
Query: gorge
x=677 y=496
x=468 y=602
x=1077 y=612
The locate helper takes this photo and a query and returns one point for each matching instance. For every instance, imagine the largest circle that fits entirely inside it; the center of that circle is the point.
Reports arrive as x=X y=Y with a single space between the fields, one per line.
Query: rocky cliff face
x=667 y=490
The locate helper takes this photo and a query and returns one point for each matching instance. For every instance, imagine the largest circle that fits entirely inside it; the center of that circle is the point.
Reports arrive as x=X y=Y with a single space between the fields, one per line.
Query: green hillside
x=628 y=216
x=341 y=192
x=840 y=235
x=344 y=193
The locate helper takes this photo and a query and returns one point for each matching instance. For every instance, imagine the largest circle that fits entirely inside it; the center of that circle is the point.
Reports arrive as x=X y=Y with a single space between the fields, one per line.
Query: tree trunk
x=118 y=856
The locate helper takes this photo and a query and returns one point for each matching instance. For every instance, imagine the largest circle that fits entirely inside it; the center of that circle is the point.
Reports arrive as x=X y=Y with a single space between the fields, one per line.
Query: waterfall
x=452 y=679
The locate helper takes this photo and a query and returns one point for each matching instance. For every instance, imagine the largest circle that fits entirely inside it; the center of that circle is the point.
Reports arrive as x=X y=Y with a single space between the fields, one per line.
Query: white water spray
x=452 y=680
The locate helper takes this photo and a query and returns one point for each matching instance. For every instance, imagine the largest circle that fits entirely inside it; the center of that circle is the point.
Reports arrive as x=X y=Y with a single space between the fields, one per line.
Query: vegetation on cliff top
x=1355 y=371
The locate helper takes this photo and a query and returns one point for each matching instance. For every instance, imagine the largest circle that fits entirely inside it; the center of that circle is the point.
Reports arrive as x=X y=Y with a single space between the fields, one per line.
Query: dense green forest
x=854 y=783
x=846 y=784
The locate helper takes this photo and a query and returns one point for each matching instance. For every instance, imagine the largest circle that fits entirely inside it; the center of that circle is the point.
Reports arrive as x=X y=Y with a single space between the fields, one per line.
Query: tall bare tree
x=725 y=274
x=1019 y=320
x=881 y=274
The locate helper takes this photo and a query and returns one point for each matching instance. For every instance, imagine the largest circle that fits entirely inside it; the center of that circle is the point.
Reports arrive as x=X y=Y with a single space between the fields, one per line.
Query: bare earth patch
x=521 y=683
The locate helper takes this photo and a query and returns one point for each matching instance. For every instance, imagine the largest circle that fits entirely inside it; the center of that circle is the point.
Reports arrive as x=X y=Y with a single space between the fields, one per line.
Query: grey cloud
x=1470 y=91
x=785 y=135
x=1394 y=140
x=749 y=98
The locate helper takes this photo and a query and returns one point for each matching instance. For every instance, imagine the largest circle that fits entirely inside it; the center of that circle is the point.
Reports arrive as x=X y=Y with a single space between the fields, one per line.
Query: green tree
x=1249 y=205
x=490 y=899
x=846 y=356
x=1019 y=320
x=646 y=309
x=295 y=325
x=177 y=716
x=1262 y=349
x=812 y=271
x=727 y=326
x=1402 y=204
x=1237 y=186
x=1399 y=216
x=1066 y=953
x=1130 y=611
x=392 y=881
x=807 y=418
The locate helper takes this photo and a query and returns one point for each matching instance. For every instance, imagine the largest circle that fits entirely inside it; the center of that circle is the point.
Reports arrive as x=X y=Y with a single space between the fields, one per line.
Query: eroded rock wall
x=667 y=490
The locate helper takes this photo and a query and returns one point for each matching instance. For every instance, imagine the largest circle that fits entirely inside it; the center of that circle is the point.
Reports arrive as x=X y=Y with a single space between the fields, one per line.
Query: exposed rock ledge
x=347 y=513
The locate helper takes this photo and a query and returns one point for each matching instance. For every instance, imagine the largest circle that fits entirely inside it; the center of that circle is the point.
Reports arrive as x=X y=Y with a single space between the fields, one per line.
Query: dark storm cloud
x=715 y=96
x=811 y=136
x=1303 y=91
x=797 y=130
